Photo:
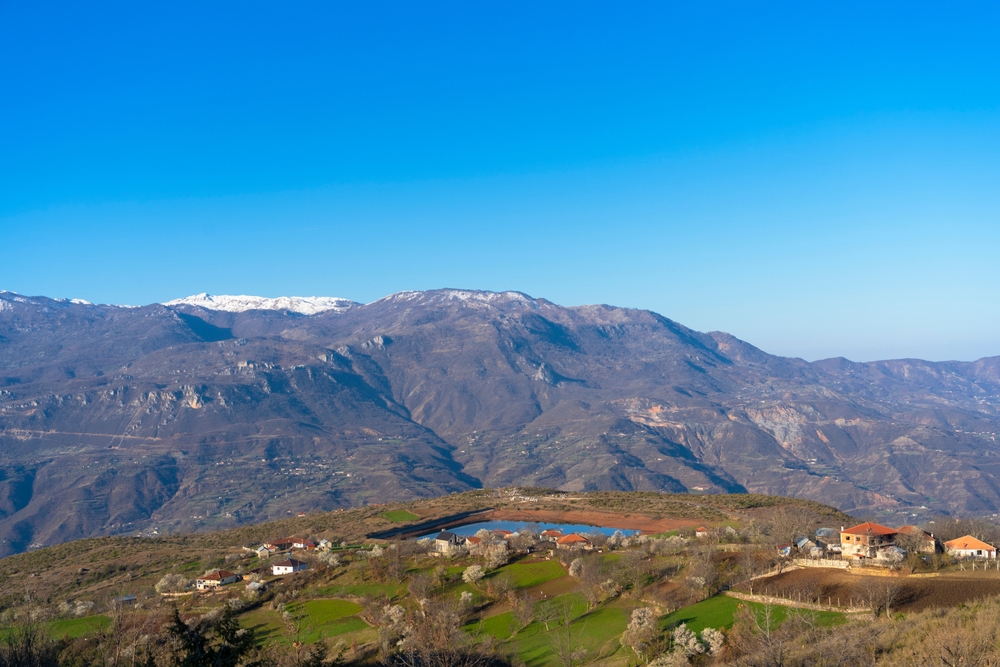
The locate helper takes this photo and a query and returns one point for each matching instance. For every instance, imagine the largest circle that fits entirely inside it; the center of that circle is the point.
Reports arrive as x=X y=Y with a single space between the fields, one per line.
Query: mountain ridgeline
x=200 y=414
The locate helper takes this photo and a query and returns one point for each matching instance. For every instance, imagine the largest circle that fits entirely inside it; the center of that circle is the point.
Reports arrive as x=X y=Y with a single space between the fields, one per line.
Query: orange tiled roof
x=913 y=530
x=573 y=538
x=218 y=575
x=969 y=542
x=869 y=528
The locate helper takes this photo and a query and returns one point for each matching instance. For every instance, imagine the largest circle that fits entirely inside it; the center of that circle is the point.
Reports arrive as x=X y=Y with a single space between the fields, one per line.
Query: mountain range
x=211 y=411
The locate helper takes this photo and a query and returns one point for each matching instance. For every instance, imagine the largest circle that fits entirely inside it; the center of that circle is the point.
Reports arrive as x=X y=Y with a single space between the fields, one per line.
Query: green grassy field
x=392 y=591
x=400 y=516
x=316 y=619
x=70 y=628
x=596 y=631
x=78 y=627
x=526 y=575
x=328 y=618
x=719 y=611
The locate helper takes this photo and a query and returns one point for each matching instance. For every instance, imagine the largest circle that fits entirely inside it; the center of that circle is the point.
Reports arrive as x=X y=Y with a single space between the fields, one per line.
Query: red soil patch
x=646 y=524
x=916 y=593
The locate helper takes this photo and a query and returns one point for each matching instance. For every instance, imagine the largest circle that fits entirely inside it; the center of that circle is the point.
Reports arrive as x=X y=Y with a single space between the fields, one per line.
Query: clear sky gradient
x=820 y=180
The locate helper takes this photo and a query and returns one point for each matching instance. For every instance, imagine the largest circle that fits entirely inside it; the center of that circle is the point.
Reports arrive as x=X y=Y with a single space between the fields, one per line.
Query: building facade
x=867 y=540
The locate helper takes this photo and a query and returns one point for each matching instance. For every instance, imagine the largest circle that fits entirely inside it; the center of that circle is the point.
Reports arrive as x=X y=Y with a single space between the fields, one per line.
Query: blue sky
x=819 y=181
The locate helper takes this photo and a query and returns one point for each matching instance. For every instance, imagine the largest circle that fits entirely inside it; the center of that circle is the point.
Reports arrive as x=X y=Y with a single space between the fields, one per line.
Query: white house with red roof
x=215 y=579
x=970 y=547
x=573 y=541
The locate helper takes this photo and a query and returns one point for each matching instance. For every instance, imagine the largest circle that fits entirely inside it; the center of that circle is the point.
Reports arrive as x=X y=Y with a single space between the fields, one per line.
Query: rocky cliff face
x=183 y=416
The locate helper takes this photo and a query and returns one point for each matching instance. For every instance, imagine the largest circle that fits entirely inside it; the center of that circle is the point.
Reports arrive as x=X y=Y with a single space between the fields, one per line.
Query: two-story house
x=866 y=540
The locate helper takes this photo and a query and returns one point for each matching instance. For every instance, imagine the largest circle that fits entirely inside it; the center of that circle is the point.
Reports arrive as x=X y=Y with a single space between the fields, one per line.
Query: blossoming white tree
x=472 y=574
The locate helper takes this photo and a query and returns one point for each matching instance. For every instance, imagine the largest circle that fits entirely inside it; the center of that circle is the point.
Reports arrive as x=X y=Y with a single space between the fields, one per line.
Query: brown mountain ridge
x=164 y=418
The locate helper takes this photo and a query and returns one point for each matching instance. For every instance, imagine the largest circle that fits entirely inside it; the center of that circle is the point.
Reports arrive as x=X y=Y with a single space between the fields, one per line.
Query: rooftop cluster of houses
x=287 y=544
x=284 y=545
x=871 y=542
x=448 y=542
x=218 y=578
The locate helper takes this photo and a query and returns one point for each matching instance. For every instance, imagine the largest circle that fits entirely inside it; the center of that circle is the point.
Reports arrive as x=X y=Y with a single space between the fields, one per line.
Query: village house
x=868 y=540
x=573 y=541
x=303 y=543
x=970 y=547
x=922 y=541
x=446 y=541
x=804 y=544
x=807 y=547
x=263 y=552
x=551 y=535
x=282 y=544
x=826 y=537
x=502 y=534
x=472 y=541
x=701 y=532
x=215 y=579
x=288 y=567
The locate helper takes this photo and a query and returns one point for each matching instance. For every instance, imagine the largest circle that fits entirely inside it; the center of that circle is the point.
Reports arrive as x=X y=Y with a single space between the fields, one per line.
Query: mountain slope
x=206 y=413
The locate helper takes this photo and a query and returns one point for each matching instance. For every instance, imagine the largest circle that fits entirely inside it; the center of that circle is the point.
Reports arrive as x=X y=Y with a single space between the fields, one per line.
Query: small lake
x=517 y=526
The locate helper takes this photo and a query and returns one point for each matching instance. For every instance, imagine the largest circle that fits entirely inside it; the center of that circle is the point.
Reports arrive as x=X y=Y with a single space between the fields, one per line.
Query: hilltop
x=135 y=563
x=495 y=598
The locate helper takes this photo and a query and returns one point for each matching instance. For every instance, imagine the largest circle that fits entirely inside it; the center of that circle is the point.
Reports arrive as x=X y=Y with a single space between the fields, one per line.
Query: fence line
x=822 y=562
x=849 y=608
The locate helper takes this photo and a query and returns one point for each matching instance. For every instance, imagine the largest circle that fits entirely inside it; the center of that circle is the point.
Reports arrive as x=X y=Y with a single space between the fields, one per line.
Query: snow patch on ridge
x=7 y=296
x=304 y=305
x=470 y=297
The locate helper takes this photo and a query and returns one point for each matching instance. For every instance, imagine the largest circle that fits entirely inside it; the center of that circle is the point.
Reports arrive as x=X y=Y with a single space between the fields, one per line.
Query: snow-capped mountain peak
x=475 y=298
x=305 y=305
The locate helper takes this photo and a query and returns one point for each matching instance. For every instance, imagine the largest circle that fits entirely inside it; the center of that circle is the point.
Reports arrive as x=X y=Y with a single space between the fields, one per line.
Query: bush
x=172 y=583
x=28 y=646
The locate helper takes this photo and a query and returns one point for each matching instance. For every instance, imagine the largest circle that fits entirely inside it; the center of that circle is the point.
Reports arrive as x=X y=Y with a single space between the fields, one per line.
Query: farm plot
x=720 y=611
x=915 y=594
